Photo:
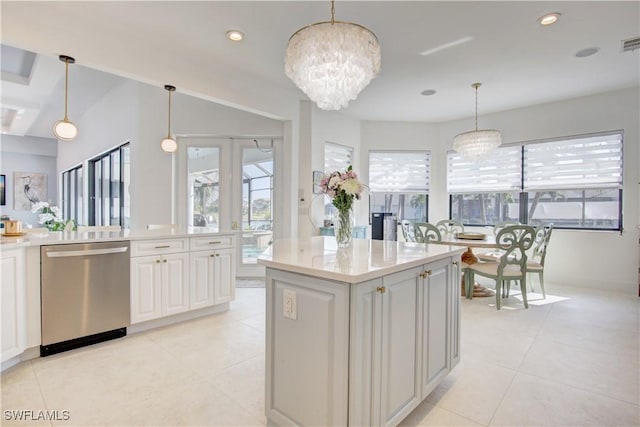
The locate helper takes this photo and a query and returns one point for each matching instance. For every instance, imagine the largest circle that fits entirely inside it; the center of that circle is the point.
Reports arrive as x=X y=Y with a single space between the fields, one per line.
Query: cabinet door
x=400 y=385
x=13 y=304
x=146 y=288
x=201 y=279
x=436 y=324
x=175 y=283
x=224 y=276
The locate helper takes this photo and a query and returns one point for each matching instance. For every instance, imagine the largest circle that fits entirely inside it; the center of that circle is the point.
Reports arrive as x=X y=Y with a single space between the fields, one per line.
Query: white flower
x=39 y=205
x=45 y=217
x=351 y=186
x=56 y=211
x=335 y=181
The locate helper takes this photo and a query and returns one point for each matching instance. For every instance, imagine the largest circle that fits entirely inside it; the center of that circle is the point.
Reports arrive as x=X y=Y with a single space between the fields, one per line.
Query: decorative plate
x=471 y=236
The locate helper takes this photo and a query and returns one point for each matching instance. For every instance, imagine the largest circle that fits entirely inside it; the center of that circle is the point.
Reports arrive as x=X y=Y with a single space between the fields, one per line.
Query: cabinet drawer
x=211 y=242
x=158 y=247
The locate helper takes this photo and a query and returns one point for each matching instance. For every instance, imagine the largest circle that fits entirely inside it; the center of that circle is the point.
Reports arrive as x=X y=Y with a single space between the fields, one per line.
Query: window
x=573 y=182
x=336 y=158
x=72 y=189
x=109 y=180
x=399 y=183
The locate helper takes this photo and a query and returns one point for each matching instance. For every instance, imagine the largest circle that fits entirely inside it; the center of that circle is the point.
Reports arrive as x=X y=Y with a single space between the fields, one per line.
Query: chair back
x=500 y=225
x=426 y=233
x=515 y=240
x=407 y=229
x=543 y=235
x=448 y=226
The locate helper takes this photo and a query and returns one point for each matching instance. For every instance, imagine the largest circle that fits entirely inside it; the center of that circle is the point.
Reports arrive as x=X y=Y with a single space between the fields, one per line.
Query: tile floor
x=572 y=359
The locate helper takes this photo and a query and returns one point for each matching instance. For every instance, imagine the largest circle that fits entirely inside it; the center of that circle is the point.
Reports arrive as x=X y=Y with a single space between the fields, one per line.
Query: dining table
x=471 y=240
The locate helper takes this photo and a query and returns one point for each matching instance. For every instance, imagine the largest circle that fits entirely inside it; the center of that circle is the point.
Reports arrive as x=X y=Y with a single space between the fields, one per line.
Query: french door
x=230 y=184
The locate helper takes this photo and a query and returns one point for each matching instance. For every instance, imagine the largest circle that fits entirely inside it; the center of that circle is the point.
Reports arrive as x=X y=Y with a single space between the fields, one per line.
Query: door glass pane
x=257 y=206
x=204 y=187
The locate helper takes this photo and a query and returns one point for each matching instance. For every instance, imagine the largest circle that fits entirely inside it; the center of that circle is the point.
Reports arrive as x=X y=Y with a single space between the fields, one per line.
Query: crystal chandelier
x=332 y=61
x=477 y=144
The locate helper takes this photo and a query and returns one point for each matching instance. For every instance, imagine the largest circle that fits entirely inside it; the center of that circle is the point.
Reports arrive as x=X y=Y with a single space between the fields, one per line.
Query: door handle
x=63 y=254
x=381 y=289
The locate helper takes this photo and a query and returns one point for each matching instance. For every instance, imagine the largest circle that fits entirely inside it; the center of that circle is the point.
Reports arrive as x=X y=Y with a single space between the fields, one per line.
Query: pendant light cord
x=476 y=108
x=66 y=88
x=333 y=11
x=169 y=125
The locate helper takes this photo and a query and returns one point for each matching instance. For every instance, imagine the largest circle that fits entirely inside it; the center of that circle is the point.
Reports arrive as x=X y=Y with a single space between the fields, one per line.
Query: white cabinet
x=212 y=277
x=13 y=304
x=160 y=282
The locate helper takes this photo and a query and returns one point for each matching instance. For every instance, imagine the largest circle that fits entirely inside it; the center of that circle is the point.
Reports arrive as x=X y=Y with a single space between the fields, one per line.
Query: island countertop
x=65 y=237
x=364 y=260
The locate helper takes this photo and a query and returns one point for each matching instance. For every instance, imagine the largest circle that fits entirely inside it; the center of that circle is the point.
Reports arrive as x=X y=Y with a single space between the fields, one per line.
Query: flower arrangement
x=50 y=217
x=343 y=188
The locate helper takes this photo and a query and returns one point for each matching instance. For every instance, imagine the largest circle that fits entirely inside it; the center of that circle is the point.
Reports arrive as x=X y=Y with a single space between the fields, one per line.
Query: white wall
x=27 y=154
x=581 y=258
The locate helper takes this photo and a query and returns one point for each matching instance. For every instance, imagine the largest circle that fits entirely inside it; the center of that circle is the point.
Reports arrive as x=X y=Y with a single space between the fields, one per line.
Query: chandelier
x=332 y=61
x=64 y=129
x=477 y=144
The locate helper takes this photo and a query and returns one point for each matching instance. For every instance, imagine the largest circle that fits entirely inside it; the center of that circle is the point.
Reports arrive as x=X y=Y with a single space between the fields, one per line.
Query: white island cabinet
x=357 y=336
x=13 y=309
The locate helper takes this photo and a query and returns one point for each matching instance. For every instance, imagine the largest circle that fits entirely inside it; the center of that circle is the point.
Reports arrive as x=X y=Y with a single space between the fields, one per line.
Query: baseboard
x=177 y=318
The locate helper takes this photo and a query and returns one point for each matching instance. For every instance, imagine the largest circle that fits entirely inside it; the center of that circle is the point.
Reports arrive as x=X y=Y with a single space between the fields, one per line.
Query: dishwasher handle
x=63 y=254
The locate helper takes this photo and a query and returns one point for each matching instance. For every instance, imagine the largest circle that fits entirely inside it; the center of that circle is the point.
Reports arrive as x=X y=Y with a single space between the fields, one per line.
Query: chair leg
x=523 y=289
x=498 y=293
x=469 y=279
x=541 y=275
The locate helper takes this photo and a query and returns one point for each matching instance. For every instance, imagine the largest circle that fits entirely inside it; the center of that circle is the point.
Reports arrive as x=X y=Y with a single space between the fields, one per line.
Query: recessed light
x=235 y=35
x=587 y=52
x=549 y=18
x=428 y=92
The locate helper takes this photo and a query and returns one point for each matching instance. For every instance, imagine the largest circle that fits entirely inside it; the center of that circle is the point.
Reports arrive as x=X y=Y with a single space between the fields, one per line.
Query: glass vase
x=343 y=230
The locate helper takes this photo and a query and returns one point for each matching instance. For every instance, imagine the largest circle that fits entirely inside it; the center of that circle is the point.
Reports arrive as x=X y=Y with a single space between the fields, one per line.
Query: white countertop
x=64 y=237
x=364 y=260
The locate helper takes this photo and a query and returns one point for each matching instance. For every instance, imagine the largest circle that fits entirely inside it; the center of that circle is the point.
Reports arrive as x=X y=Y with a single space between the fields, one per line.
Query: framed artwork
x=28 y=188
x=317 y=177
x=3 y=193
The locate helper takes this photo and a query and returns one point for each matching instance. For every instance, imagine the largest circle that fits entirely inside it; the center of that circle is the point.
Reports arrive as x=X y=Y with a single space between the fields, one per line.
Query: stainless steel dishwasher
x=85 y=294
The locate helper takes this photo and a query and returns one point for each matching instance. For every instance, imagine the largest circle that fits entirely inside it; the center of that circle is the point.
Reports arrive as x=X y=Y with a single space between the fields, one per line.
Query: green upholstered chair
x=448 y=226
x=536 y=263
x=426 y=233
x=516 y=240
x=494 y=255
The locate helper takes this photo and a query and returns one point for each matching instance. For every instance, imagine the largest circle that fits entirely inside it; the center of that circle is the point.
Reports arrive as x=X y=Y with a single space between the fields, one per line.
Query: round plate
x=471 y=236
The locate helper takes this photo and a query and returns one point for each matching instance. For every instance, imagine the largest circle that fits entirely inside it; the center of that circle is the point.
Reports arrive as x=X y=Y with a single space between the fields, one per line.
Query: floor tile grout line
x=44 y=400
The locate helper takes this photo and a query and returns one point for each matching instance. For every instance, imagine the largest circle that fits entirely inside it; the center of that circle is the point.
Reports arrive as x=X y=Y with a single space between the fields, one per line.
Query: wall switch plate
x=290 y=304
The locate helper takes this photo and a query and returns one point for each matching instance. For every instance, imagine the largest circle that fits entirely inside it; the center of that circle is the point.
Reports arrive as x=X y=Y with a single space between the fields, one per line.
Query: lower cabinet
x=159 y=286
x=13 y=314
x=403 y=340
x=178 y=275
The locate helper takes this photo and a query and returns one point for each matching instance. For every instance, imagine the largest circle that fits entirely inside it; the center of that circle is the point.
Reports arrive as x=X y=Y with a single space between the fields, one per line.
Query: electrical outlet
x=289 y=304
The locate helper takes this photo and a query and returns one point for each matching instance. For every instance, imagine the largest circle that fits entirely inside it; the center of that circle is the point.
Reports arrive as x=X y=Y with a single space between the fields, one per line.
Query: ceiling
x=183 y=43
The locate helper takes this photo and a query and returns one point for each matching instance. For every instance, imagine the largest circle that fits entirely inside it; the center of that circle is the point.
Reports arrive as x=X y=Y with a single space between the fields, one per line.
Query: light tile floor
x=572 y=359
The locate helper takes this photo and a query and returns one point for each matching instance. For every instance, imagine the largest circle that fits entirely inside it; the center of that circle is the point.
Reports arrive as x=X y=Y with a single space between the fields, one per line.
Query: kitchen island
x=357 y=336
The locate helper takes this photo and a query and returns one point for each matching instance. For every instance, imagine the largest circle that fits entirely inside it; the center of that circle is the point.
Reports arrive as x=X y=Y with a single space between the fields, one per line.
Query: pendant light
x=332 y=61
x=477 y=144
x=63 y=129
x=169 y=144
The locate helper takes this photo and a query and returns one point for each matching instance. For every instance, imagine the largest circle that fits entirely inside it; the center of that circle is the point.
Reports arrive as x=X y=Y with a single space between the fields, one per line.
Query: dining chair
x=494 y=255
x=516 y=240
x=536 y=263
x=408 y=231
x=94 y=228
x=426 y=233
x=446 y=226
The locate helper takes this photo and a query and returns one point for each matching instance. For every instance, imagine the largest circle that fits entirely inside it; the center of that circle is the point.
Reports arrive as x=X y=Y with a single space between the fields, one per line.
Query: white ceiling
x=183 y=43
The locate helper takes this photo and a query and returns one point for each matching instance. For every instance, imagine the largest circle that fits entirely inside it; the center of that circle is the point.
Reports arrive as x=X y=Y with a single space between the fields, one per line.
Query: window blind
x=399 y=171
x=337 y=157
x=585 y=162
x=500 y=172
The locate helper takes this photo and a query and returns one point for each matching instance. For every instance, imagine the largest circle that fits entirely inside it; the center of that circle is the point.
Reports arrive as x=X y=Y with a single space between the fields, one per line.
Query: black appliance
x=377 y=224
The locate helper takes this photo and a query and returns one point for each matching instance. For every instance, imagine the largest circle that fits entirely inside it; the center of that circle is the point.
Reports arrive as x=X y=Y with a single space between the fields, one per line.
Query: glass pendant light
x=169 y=144
x=63 y=129
x=477 y=144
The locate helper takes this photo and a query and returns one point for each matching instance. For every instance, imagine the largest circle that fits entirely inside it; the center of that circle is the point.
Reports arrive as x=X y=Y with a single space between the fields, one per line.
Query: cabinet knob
x=211 y=255
x=164 y=260
x=381 y=289
x=456 y=263
x=425 y=274
x=428 y=272
x=217 y=254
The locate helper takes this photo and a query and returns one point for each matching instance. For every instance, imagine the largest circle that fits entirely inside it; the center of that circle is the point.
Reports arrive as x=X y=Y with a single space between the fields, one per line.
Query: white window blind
x=337 y=157
x=500 y=172
x=399 y=171
x=585 y=162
